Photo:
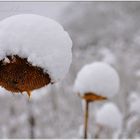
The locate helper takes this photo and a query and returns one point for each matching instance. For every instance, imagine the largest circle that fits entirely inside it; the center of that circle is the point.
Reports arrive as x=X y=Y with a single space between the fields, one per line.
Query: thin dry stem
x=86 y=115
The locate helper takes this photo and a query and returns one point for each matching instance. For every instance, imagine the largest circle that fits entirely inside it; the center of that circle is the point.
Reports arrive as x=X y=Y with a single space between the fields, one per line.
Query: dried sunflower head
x=34 y=51
x=18 y=75
x=90 y=97
x=97 y=80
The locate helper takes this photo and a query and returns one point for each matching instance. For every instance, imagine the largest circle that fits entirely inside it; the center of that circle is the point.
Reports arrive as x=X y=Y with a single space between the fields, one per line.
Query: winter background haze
x=100 y=31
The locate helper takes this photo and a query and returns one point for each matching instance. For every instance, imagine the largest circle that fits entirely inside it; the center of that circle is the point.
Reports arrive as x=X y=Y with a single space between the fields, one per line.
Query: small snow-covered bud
x=110 y=116
x=41 y=40
x=98 y=78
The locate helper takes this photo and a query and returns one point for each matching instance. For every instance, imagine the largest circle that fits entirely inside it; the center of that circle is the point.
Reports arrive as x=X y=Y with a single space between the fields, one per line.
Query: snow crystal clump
x=99 y=78
x=41 y=40
x=110 y=116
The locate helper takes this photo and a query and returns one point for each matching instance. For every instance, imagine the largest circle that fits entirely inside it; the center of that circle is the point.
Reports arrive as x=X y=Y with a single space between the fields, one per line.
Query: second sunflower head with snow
x=97 y=81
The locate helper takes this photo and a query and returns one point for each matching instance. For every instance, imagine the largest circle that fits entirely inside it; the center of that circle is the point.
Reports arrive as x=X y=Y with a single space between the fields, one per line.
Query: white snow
x=81 y=132
x=41 y=93
x=137 y=39
x=132 y=121
x=99 y=78
x=3 y=92
x=132 y=97
x=137 y=73
x=108 y=56
x=110 y=116
x=40 y=39
x=6 y=60
x=134 y=103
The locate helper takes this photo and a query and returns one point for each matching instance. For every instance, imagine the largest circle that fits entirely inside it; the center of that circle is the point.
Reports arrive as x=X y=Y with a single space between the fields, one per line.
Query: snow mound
x=110 y=116
x=99 y=78
x=41 y=40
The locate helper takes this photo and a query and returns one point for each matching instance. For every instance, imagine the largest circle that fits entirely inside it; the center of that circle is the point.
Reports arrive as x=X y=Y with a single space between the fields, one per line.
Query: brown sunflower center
x=19 y=75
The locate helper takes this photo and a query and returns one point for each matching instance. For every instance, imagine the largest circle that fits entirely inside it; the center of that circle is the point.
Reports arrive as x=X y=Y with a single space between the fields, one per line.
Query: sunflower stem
x=86 y=115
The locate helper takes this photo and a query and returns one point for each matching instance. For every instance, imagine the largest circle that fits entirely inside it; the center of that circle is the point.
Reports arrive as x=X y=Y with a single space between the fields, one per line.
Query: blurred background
x=100 y=31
